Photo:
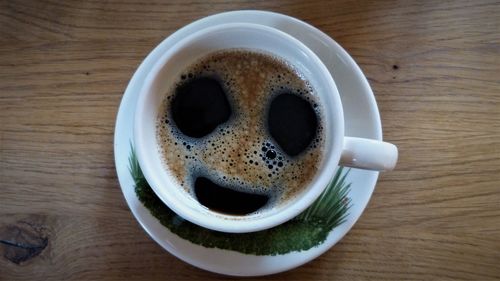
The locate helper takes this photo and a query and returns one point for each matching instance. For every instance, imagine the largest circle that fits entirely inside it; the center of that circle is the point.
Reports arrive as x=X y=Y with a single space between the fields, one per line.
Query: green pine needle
x=332 y=205
x=135 y=169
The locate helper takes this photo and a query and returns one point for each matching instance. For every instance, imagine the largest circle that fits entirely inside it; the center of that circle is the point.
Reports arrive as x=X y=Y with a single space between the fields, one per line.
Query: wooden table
x=434 y=67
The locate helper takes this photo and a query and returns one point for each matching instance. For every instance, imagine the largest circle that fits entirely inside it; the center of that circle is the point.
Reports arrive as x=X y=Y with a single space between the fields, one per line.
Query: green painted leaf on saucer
x=307 y=230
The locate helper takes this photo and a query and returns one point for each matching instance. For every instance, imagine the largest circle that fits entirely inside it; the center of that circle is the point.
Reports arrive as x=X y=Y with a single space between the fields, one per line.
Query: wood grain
x=434 y=67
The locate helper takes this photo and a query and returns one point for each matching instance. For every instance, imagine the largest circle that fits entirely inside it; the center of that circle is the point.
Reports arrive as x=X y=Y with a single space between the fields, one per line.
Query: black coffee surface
x=199 y=106
x=292 y=123
x=227 y=200
x=241 y=131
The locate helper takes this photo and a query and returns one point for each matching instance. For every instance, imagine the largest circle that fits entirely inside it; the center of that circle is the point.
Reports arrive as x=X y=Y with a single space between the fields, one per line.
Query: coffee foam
x=237 y=153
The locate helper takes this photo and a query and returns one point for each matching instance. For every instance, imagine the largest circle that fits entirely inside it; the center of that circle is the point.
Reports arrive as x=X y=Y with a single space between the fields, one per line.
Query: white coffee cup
x=339 y=149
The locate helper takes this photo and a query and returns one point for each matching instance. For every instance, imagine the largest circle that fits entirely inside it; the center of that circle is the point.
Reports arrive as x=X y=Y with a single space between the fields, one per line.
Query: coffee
x=241 y=131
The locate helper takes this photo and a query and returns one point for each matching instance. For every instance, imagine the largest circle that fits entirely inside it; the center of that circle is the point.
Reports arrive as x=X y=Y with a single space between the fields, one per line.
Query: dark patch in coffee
x=227 y=200
x=292 y=122
x=199 y=106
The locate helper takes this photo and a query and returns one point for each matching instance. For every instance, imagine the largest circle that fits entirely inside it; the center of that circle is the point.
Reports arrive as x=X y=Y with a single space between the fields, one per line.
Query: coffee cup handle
x=368 y=154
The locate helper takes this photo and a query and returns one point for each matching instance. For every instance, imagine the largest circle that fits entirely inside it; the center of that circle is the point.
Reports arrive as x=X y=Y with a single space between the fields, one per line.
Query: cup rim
x=228 y=223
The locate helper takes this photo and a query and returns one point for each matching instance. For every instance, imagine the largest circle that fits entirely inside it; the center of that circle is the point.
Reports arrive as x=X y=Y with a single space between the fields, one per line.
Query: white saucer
x=361 y=117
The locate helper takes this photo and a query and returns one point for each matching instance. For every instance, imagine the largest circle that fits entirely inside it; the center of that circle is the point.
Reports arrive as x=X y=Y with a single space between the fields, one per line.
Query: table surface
x=434 y=67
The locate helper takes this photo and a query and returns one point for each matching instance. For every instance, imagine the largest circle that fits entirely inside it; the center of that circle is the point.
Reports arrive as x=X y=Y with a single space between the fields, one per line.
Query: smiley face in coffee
x=241 y=131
